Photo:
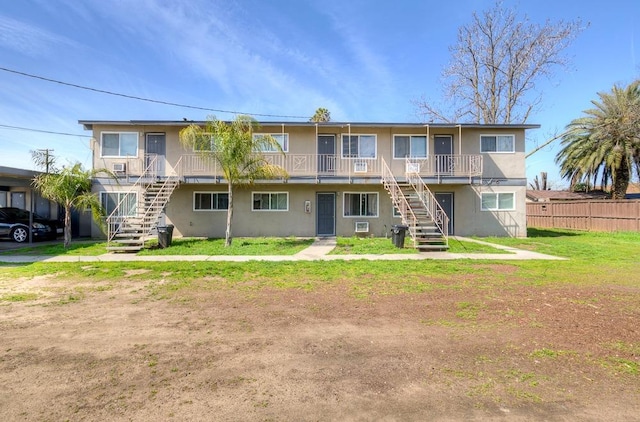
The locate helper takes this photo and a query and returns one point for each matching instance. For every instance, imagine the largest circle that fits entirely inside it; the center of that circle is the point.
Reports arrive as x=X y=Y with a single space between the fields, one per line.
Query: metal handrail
x=436 y=212
x=399 y=201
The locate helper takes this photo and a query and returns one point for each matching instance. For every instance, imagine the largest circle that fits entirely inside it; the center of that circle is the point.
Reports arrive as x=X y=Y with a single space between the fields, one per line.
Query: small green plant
x=18 y=297
x=468 y=310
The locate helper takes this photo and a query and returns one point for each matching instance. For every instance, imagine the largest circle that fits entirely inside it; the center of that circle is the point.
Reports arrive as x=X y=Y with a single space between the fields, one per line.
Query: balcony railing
x=327 y=165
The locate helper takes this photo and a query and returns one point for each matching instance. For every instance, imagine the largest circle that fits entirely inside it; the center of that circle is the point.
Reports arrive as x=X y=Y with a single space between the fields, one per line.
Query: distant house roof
x=563 y=195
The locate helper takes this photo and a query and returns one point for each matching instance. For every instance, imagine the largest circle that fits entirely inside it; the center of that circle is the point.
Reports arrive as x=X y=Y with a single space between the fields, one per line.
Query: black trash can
x=165 y=235
x=398 y=233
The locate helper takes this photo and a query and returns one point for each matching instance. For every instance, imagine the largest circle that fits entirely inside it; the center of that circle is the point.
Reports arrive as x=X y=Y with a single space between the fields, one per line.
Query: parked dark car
x=14 y=224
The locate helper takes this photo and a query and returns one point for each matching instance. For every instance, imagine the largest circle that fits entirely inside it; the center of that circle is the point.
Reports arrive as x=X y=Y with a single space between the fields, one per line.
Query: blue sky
x=363 y=60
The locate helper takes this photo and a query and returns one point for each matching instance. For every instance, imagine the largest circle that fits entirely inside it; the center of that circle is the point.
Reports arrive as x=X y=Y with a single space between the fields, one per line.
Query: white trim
x=119 y=145
x=511 y=135
x=375 y=146
x=193 y=201
x=270 y=193
x=344 y=203
x=498 y=201
x=410 y=135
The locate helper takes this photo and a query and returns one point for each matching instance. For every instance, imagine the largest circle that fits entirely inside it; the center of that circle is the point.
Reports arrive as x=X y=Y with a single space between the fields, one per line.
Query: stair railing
x=151 y=211
x=429 y=201
x=115 y=220
x=399 y=200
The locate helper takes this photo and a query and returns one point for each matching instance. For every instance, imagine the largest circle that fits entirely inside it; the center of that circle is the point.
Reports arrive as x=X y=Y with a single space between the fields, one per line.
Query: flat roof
x=88 y=124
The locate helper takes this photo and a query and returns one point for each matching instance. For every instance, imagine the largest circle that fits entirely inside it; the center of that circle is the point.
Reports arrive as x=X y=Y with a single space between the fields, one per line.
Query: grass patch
x=83 y=247
x=595 y=259
x=18 y=297
x=369 y=246
x=461 y=246
x=251 y=246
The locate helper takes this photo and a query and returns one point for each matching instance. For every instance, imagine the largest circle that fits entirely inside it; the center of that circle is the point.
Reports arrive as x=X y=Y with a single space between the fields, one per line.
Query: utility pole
x=46 y=152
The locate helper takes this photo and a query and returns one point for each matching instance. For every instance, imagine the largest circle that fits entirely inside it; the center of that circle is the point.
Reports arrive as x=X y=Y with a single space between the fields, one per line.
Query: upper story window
x=411 y=146
x=281 y=138
x=359 y=146
x=497 y=143
x=119 y=144
x=501 y=201
x=210 y=201
x=360 y=204
x=204 y=144
x=270 y=201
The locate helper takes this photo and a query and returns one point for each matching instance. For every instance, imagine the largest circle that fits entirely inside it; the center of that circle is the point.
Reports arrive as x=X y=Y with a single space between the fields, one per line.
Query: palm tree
x=321 y=115
x=238 y=153
x=71 y=188
x=605 y=142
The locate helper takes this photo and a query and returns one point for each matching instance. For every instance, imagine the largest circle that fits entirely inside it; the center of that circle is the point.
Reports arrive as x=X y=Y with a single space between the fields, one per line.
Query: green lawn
x=595 y=258
x=250 y=246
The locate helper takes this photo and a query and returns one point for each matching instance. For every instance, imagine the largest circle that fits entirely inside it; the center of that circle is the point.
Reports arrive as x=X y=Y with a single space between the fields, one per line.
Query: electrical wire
x=133 y=97
x=43 y=131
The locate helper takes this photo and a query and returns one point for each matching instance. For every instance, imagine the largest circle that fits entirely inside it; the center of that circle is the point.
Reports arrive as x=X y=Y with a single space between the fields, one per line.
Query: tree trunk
x=67 y=226
x=621 y=180
x=227 y=237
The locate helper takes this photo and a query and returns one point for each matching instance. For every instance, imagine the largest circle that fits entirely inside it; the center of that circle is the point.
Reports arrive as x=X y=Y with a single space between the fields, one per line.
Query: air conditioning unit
x=119 y=167
x=362 y=227
x=412 y=168
x=360 y=167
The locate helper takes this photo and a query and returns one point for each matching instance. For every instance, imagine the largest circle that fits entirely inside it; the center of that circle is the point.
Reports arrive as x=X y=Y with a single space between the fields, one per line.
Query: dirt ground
x=119 y=352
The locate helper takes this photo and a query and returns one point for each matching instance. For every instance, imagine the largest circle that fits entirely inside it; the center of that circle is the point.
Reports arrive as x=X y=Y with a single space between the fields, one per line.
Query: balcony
x=193 y=167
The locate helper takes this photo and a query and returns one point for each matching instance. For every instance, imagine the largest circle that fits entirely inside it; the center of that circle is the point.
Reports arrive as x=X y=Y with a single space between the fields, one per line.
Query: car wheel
x=20 y=234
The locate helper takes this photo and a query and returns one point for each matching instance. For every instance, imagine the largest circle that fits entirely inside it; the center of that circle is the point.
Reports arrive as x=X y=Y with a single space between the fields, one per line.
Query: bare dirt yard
x=115 y=350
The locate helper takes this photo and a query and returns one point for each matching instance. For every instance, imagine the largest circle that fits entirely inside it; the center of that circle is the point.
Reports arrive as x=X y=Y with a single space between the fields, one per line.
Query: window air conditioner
x=360 y=167
x=119 y=167
x=362 y=227
x=412 y=168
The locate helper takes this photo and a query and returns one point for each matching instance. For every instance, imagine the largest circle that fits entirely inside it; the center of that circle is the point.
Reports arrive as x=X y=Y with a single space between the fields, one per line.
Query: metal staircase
x=126 y=232
x=420 y=211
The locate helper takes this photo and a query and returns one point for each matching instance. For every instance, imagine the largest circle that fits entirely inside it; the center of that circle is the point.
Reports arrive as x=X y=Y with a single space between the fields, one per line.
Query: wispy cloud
x=28 y=39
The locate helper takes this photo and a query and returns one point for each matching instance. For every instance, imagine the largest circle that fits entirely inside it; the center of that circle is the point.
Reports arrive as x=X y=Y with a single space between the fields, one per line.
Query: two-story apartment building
x=344 y=179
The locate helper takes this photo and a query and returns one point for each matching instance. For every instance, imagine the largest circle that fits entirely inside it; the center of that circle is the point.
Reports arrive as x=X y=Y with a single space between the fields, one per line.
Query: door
x=443 y=149
x=446 y=202
x=156 y=148
x=325 y=214
x=326 y=154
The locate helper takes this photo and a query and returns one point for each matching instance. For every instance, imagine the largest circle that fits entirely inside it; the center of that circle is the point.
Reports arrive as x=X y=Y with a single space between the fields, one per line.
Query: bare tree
x=495 y=65
x=540 y=183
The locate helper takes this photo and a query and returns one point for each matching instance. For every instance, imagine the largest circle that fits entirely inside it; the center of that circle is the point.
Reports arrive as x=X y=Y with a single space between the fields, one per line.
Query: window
x=204 y=143
x=121 y=144
x=359 y=146
x=210 y=201
x=281 y=138
x=498 y=201
x=409 y=146
x=270 y=201
x=396 y=212
x=128 y=202
x=360 y=204
x=497 y=143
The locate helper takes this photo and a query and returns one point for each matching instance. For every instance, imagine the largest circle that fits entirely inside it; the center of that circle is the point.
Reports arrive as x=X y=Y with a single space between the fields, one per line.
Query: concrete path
x=317 y=251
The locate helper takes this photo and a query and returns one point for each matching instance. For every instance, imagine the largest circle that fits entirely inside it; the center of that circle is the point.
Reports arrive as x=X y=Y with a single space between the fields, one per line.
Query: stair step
x=124 y=248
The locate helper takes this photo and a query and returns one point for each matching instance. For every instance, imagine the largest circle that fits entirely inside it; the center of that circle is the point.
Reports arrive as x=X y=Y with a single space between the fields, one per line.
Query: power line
x=43 y=131
x=133 y=97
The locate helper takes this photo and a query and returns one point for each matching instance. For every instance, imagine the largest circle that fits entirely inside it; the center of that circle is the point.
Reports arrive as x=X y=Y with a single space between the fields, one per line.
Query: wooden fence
x=600 y=215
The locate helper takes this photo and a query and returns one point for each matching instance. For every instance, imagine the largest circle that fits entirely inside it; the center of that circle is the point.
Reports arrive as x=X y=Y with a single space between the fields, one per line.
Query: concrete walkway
x=318 y=251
